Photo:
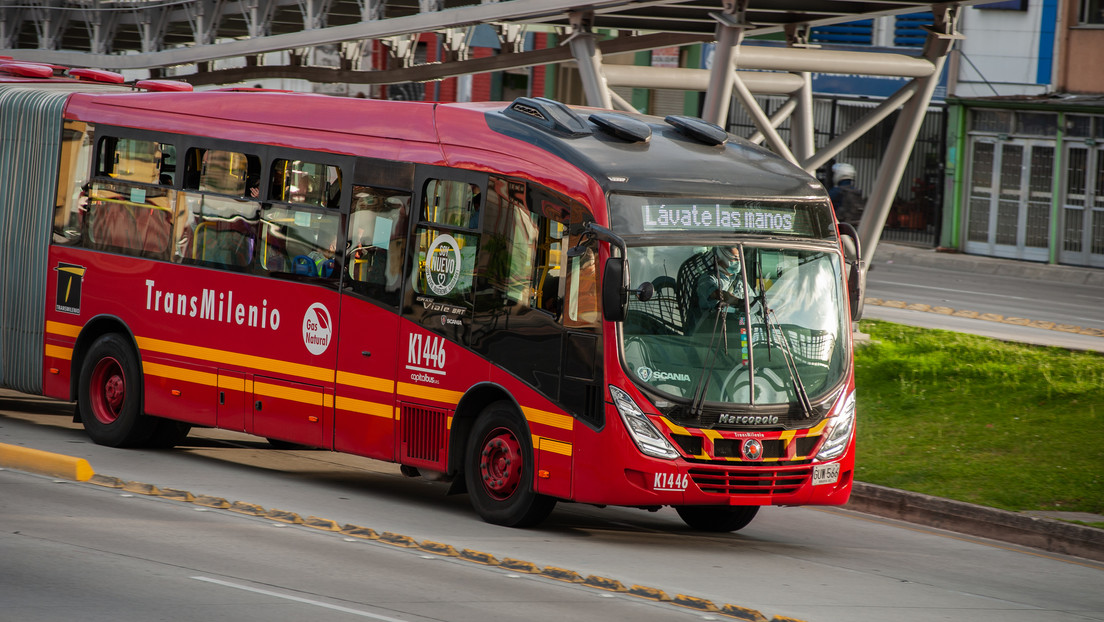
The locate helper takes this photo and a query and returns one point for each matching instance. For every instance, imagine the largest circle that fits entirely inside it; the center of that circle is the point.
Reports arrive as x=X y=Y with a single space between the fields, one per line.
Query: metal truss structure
x=151 y=34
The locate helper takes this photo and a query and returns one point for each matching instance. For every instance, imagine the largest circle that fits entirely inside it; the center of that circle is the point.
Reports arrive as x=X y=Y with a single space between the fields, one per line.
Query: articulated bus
x=533 y=301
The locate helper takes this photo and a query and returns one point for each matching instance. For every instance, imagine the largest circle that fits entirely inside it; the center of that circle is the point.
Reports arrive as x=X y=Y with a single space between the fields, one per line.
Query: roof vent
x=621 y=126
x=27 y=70
x=162 y=85
x=97 y=75
x=698 y=129
x=548 y=114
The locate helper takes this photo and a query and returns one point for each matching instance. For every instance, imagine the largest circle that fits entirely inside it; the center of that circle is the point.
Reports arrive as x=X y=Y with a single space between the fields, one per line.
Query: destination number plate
x=826 y=473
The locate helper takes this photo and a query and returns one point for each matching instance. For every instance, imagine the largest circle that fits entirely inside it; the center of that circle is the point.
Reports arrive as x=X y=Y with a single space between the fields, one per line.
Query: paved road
x=1005 y=299
x=812 y=564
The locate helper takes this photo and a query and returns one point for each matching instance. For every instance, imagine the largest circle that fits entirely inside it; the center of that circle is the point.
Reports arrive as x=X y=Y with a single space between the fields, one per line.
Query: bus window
x=217 y=230
x=295 y=181
x=299 y=241
x=132 y=159
x=452 y=203
x=72 y=191
x=377 y=242
x=522 y=243
x=129 y=219
x=222 y=172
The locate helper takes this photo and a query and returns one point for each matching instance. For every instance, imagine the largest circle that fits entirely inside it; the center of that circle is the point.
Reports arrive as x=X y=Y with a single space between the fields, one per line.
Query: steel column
x=584 y=47
x=722 y=77
x=940 y=39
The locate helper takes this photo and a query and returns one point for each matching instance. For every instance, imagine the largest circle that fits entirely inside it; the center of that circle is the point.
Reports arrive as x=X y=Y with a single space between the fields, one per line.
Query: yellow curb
x=366 y=533
x=45 y=463
x=602 y=583
x=561 y=574
x=142 y=488
x=743 y=613
x=518 y=565
x=896 y=304
x=991 y=317
x=212 y=502
x=943 y=310
x=324 y=524
x=479 y=557
x=284 y=517
x=693 y=602
x=398 y=539
x=439 y=548
x=650 y=593
x=177 y=495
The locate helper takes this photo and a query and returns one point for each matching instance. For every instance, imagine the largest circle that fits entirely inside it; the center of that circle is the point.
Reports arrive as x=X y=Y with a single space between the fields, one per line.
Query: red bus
x=532 y=301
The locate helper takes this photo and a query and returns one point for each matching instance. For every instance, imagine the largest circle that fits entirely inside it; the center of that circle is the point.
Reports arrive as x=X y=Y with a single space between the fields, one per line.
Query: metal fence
x=915 y=216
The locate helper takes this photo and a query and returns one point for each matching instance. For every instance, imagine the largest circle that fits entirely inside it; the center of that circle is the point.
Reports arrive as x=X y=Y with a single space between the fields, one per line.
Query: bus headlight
x=838 y=432
x=644 y=434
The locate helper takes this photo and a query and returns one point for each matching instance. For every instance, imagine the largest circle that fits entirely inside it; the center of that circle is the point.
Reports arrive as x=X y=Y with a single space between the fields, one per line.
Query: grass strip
x=980 y=420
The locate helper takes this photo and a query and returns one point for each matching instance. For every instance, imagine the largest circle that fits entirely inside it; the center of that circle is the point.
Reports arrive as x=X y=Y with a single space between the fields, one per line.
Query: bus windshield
x=729 y=317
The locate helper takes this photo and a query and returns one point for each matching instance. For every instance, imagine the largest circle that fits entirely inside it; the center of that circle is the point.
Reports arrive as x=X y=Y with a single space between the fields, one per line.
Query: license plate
x=826 y=473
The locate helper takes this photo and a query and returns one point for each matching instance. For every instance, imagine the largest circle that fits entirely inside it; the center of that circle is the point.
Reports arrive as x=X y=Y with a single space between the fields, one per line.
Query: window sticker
x=443 y=264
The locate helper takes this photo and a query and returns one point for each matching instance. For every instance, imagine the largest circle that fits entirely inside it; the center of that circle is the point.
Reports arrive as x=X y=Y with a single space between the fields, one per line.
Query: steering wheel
x=769 y=386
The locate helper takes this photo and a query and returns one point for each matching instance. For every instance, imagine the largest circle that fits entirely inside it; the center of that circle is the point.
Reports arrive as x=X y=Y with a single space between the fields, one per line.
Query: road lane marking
x=307 y=601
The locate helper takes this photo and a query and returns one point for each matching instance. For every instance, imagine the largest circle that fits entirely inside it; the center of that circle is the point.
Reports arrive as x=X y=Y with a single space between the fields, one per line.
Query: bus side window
x=309 y=183
x=71 y=204
x=452 y=203
x=222 y=172
x=512 y=239
x=377 y=242
x=127 y=210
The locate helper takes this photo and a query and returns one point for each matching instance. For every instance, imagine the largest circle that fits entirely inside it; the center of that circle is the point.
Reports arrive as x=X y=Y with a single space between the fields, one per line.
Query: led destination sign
x=717 y=217
x=801 y=218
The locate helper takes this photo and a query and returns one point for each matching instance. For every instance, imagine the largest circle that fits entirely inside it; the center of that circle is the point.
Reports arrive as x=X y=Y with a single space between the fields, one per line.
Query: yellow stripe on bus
x=311 y=372
x=544 y=417
x=292 y=394
x=361 y=381
x=179 y=373
x=429 y=393
x=59 y=352
x=64 y=330
x=363 y=406
x=550 y=444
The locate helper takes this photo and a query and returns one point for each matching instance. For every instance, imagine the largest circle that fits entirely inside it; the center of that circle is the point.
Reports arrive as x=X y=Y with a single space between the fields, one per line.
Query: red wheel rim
x=108 y=390
x=500 y=464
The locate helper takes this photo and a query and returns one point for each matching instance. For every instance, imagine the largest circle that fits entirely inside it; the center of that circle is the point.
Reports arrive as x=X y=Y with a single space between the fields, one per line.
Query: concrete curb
x=1040 y=533
x=45 y=463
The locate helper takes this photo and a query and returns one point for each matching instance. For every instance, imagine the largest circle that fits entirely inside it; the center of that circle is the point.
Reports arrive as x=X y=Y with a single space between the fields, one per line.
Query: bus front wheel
x=110 y=395
x=499 y=470
x=717 y=518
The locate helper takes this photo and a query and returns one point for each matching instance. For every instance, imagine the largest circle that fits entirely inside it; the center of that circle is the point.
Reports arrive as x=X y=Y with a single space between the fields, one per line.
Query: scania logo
x=752 y=449
x=748 y=419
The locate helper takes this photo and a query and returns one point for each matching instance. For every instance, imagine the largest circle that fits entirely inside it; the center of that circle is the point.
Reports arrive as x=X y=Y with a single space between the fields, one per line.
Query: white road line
x=307 y=601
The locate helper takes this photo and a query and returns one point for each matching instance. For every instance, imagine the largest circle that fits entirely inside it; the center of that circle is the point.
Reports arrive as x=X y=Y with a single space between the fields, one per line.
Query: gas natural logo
x=317 y=328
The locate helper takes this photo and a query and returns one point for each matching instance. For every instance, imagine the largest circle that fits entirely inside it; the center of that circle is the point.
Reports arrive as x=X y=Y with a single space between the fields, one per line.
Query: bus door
x=434 y=367
x=377 y=231
x=293 y=392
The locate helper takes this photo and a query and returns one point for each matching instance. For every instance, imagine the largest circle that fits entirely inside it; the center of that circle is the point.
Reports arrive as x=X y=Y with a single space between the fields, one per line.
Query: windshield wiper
x=791 y=365
x=697 y=404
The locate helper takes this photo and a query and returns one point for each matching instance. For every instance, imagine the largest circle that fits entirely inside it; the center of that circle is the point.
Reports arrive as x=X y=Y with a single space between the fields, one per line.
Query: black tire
x=717 y=518
x=499 y=467
x=110 y=394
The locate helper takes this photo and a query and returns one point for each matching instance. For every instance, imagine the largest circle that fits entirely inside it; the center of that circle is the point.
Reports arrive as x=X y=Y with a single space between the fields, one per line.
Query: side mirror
x=614 y=298
x=856 y=269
